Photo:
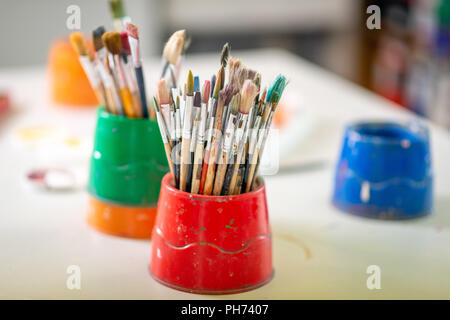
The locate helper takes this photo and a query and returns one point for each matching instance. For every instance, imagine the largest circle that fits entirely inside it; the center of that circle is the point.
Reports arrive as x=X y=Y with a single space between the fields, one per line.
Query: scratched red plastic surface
x=211 y=243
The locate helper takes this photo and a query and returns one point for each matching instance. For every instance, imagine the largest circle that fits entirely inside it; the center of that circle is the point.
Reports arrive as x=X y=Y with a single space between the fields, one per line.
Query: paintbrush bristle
x=196 y=84
x=222 y=78
x=116 y=7
x=217 y=84
x=234 y=104
x=163 y=92
x=249 y=92
x=237 y=64
x=78 y=43
x=174 y=47
x=206 y=90
x=230 y=67
x=190 y=84
x=186 y=44
x=226 y=94
x=257 y=80
x=241 y=76
x=251 y=74
x=112 y=41
x=277 y=86
x=97 y=38
x=132 y=31
x=213 y=84
x=224 y=55
x=197 y=99
x=125 y=43
x=233 y=91
x=274 y=99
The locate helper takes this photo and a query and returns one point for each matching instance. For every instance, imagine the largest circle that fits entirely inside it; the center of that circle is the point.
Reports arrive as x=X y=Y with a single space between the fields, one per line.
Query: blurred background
x=406 y=61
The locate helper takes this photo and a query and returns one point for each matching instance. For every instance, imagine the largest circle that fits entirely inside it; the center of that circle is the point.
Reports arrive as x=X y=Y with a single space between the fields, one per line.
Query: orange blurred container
x=122 y=221
x=69 y=84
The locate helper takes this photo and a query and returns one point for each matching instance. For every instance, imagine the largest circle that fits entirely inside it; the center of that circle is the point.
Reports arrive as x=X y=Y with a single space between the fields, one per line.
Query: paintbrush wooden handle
x=237 y=188
x=136 y=103
x=220 y=174
x=127 y=102
x=235 y=174
x=197 y=171
x=169 y=159
x=212 y=164
x=251 y=173
x=101 y=95
x=111 y=102
x=204 y=171
x=240 y=176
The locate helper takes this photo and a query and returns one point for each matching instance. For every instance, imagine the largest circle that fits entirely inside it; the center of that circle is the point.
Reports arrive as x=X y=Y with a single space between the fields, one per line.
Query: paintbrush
x=111 y=93
x=224 y=55
x=129 y=73
x=272 y=98
x=164 y=101
x=198 y=157
x=251 y=122
x=195 y=127
x=171 y=54
x=210 y=105
x=172 y=133
x=196 y=84
x=183 y=103
x=178 y=133
x=113 y=44
x=80 y=46
x=164 y=136
x=133 y=39
x=249 y=91
x=252 y=155
x=226 y=146
x=187 y=127
x=172 y=127
x=241 y=170
x=118 y=14
x=224 y=96
x=210 y=127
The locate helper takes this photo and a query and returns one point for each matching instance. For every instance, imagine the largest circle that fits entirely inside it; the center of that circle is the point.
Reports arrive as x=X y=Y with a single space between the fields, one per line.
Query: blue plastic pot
x=384 y=171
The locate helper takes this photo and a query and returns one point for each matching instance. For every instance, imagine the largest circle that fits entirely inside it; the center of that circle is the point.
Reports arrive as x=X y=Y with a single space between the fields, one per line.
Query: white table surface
x=318 y=251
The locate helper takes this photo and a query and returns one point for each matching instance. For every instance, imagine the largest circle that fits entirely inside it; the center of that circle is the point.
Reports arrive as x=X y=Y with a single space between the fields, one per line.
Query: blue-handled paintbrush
x=133 y=38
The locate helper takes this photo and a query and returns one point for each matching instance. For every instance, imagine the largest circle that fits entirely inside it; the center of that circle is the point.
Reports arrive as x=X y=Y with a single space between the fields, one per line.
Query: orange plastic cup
x=69 y=84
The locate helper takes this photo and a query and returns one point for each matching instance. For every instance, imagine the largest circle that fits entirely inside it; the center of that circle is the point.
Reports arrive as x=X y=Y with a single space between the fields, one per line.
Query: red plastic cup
x=211 y=244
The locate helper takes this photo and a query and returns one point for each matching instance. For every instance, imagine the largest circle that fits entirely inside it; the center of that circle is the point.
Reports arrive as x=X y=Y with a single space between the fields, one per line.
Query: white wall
x=27 y=27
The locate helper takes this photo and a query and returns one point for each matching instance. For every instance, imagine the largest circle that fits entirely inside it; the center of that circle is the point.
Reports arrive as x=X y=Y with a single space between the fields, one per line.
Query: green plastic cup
x=128 y=161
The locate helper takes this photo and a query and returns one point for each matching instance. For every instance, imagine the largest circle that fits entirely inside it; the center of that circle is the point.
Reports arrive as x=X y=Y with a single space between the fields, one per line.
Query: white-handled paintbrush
x=78 y=43
x=198 y=157
x=226 y=145
x=133 y=39
x=249 y=92
x=164 y=136
x=187 y=128
x=113 y=44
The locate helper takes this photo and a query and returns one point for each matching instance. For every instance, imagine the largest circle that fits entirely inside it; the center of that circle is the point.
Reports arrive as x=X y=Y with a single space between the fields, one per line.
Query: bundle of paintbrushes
x=215 y=136
x=115 y=70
